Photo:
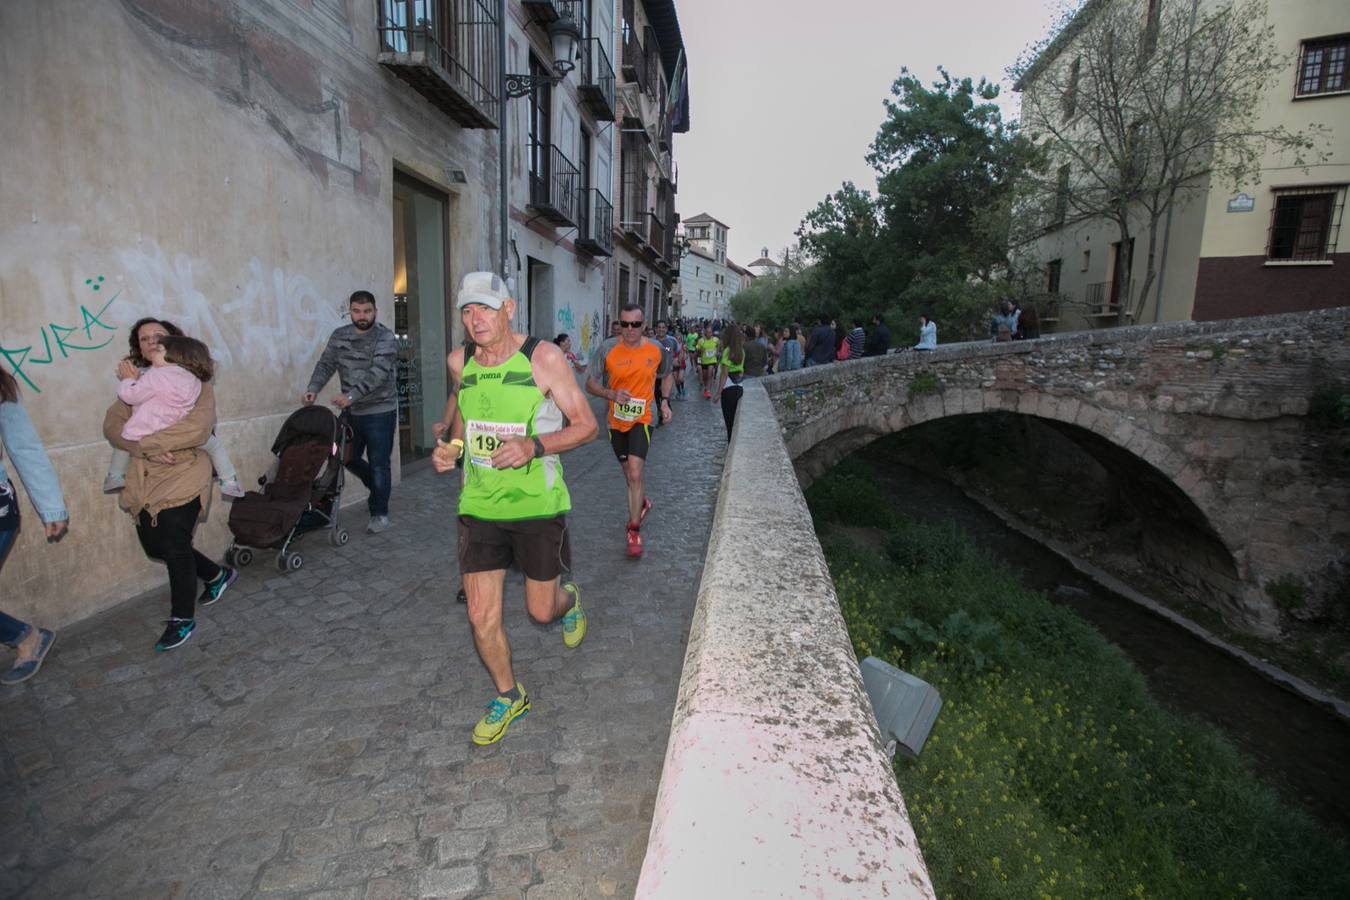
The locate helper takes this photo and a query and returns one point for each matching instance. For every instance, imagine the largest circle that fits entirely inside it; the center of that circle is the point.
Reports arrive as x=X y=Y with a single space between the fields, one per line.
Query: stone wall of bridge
x=1209 y=418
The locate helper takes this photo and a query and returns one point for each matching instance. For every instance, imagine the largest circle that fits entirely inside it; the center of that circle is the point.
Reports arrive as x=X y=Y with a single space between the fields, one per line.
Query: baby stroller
x=300 y=494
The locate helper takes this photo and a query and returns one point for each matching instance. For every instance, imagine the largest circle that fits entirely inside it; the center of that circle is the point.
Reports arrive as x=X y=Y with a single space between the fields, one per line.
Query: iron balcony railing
x=596 y=87
x=546 y=12
x=656 y=233
x=595 y=223
x=652 y=63
x=1096 y=297
x=668 y=251
x=634 y=60
x=447 y=51
x=633 y=217
x=553 y=184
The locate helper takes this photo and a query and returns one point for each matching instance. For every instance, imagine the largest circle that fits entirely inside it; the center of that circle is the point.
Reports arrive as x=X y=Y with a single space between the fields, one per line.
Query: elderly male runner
x=513 y=392
x=624 y=371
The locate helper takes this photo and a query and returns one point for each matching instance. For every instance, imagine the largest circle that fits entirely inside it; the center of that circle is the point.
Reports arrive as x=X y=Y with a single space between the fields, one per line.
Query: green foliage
x=1330 y=405
x=849 y=497
x=924 y=383
x=934 y=238
x=1288 y=591
x=1051 y=770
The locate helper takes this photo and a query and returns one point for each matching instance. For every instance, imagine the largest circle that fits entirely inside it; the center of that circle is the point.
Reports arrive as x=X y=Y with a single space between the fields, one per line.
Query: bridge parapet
x=1216 y=410
x=775 y=783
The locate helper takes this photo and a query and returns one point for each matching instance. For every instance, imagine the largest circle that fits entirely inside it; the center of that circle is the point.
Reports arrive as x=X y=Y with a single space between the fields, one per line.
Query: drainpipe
x=501 y=135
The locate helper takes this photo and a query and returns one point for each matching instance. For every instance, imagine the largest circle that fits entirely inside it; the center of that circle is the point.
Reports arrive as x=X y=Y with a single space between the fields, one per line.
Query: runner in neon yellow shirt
x=708 y=345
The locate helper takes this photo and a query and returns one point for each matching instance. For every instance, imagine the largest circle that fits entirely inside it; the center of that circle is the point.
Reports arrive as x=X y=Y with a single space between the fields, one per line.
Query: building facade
x=651 y=65
x=707 y=281
x=239 y=167
x=1267 y=246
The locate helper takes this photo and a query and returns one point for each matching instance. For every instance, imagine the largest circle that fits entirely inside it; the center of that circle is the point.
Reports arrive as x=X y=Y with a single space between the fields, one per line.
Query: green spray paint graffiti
x=64 y=339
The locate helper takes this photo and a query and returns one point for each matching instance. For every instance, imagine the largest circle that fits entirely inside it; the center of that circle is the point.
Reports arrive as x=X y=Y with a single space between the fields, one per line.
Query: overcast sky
x=786 y=95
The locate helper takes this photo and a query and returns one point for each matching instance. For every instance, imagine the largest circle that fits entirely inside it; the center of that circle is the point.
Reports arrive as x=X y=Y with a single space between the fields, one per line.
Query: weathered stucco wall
x=224 y=164
x=1218 y=410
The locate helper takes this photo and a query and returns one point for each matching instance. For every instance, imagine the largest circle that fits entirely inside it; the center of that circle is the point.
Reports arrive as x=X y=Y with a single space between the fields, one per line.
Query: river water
x=1297 y=746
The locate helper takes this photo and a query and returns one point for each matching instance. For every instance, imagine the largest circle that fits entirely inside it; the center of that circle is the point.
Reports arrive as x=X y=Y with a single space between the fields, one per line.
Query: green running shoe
x=501 y=712
x=574 y=620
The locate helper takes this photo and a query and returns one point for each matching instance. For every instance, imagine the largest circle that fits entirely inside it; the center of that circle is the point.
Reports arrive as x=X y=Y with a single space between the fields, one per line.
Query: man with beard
x=365 y=356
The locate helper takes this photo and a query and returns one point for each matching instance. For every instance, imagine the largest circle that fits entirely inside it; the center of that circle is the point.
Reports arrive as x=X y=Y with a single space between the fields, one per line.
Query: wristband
x=459 y=447
x=538 y=447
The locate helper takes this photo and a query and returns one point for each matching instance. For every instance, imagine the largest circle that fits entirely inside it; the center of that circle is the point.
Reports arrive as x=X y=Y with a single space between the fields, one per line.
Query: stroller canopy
x=308 y=423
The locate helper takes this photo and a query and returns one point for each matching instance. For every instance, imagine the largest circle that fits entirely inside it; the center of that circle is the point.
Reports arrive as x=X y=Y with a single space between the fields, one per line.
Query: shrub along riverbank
x=1051 y=771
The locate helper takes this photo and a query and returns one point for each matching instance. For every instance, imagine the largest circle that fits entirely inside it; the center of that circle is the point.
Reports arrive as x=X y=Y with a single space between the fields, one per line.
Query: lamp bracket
x=522 y=85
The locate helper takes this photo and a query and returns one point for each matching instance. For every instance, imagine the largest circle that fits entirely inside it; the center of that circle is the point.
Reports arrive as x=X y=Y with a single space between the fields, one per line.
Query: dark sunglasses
x=637 y=324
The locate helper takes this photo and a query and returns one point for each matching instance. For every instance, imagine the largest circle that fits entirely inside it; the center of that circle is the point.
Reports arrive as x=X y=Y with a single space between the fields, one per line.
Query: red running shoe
x=634 y=542
x=646 y=508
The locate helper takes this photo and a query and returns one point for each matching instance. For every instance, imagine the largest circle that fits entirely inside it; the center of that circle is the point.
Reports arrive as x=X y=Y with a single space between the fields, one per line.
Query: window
x=1321 y=66
x=1061 y=197
x=1305 y=223
x=1071 y=92
x=623 y=285
x=1087 y=260
x=541 y=104
x=1149 y=42
x=1052 y=272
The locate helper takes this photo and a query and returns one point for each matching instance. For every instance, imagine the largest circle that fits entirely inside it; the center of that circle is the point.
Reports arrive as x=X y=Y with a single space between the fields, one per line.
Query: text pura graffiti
x=63 y=339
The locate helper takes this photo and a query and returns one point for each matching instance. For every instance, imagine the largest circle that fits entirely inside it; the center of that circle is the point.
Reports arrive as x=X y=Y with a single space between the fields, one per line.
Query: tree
x=1138 y=107
x=935 y=238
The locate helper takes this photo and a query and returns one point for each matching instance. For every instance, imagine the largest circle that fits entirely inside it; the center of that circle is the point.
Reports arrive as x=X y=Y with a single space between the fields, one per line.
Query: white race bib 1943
x=630 y=411
x=482 y=438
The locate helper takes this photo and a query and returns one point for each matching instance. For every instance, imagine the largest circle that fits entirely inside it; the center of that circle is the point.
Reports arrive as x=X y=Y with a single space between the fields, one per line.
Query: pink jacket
x=159 y=398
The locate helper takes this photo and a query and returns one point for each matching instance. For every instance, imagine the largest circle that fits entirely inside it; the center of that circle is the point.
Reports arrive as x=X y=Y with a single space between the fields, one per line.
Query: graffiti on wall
x=60 y=341
x=266 y=319
x=590 y=333
x=565 y=321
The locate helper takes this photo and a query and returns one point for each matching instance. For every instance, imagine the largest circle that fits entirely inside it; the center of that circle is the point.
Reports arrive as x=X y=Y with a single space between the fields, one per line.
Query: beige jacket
x=153 y=486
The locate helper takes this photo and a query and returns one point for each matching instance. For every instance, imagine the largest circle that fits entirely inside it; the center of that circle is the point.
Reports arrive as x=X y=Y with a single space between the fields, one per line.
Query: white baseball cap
x=482 y=287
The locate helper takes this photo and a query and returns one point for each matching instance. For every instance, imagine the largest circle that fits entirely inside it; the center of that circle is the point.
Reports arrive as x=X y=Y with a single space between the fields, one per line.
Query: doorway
x=541 y=299
x=421 y=304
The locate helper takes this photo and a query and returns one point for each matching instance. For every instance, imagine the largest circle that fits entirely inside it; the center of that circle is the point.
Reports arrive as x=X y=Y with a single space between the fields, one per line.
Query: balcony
x=1096 y=297
x=634 y=59
x=596 y=77
x=652 y=64
x=662 y=122
x=595 y=223
x=633 y=218
x=656 y=235
x=546 y=12
x=446 y=50
x=553 y=185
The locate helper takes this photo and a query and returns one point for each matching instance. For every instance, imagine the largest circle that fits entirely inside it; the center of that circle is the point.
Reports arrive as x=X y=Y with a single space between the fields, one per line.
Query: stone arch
x=816 y=446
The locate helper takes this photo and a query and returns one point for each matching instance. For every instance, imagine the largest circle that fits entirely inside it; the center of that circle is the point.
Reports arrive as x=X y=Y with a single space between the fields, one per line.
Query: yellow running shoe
x=574 y=620
x=500 y=713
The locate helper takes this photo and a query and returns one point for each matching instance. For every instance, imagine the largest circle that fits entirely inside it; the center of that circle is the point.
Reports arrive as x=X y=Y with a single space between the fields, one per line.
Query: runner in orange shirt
x=624 y=371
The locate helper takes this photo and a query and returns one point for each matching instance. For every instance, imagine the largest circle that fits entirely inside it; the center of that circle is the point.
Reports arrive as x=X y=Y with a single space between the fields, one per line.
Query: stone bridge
x=1209 y=420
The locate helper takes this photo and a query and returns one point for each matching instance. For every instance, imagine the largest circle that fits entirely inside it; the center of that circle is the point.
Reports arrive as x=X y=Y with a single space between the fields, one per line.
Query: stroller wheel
x=239 y=556
x=339 y=537
x=291 y=562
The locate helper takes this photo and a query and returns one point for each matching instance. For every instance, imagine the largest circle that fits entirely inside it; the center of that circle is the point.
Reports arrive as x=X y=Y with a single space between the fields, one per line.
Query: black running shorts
x=538 y=546
x=633 y=442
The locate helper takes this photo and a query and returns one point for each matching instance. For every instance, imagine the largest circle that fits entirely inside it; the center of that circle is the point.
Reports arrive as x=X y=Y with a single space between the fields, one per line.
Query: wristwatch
x=538 y=447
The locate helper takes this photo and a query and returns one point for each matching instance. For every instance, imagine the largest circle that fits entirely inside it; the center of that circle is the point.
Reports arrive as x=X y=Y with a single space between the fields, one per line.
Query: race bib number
x=486 y=437
x=630 y=411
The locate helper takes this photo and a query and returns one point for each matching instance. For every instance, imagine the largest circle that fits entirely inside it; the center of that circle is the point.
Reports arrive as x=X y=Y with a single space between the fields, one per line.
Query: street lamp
x=565 y=36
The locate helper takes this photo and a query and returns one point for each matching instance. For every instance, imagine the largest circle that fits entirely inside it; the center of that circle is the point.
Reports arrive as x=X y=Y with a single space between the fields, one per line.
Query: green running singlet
x=499 y=403
x=707 y=351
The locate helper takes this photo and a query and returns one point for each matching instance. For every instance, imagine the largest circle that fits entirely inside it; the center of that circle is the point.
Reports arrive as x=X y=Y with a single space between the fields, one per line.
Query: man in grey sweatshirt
x=365 y=356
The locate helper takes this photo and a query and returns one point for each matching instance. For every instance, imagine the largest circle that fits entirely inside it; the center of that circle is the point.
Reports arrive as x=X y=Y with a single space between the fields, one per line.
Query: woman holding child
x=163 y=416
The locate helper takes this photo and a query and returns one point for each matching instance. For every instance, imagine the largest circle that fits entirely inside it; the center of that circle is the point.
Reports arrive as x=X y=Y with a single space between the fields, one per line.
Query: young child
x=166 y=392
x=214 y=447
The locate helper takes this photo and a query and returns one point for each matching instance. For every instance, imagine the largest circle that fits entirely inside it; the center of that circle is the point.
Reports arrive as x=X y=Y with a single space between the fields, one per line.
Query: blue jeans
x=11 y=629
x=373 y=435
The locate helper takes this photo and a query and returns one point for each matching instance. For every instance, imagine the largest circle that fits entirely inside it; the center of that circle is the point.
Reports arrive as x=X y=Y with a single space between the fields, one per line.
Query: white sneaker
x=114 y=483
x=232 y=488
x=377 y=524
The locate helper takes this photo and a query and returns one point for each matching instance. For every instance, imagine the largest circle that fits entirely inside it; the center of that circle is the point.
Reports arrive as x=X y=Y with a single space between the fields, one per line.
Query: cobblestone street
x=312 y=738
